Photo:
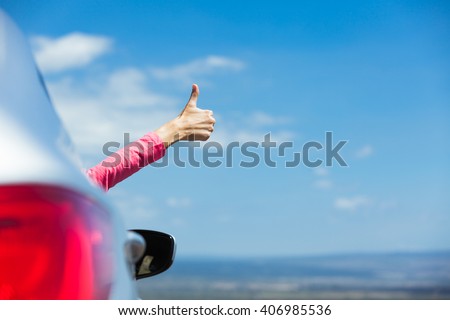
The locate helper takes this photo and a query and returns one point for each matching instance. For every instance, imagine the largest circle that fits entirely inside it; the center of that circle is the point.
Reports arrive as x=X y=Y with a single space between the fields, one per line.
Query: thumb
x=194 y=95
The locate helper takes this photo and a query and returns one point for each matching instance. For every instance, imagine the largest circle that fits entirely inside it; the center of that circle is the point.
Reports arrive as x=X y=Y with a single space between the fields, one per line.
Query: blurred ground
x=374 y=276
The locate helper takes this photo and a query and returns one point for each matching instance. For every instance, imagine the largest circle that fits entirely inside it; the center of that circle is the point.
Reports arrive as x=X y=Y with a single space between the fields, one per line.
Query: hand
x=195 y=123
x=192 y=124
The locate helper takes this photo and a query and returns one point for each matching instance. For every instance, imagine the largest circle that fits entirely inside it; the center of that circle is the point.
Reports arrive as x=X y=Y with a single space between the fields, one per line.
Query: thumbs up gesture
x=195 y=123
x=192 y=124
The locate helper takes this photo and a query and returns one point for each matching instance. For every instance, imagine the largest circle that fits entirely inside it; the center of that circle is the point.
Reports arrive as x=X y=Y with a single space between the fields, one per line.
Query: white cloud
x=260 y=119
x=71 y=51
x=388 y=204
x=321 y=171
x=241 y=127
x=96 y=113
x=323 y=184
x=128 y=88
x=352 y=203
x=182 y=202
x=364 y=152
x=186 y=73
x=140 y=210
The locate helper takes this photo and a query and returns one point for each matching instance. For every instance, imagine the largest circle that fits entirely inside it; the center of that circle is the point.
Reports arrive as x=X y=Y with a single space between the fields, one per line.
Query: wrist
x=170 y=132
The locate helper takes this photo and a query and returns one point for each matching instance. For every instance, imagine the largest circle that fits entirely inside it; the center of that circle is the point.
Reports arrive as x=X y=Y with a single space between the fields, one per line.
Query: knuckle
x=206 y=135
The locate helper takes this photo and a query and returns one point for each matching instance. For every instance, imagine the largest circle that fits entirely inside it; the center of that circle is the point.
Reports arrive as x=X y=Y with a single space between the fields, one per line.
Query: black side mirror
x=158 y=255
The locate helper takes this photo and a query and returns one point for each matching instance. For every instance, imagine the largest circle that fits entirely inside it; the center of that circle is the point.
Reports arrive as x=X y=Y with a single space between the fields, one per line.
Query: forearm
x=127 y=161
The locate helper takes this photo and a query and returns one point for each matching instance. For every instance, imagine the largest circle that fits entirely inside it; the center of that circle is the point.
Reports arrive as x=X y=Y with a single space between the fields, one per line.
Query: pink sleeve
x=127 y=161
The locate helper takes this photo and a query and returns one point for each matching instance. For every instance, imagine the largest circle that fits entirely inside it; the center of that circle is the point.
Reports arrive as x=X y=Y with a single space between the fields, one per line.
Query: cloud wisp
x=352 y=203
x=188 y=72
x=95 y=114
x=74 y=50
x=364 y=152
x=178 y=202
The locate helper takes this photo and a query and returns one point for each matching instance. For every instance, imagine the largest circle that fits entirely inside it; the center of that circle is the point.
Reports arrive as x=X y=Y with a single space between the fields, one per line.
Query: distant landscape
x=357 y=276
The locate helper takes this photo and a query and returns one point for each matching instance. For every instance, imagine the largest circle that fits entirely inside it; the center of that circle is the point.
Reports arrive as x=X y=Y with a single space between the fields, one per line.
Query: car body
x=59 y=236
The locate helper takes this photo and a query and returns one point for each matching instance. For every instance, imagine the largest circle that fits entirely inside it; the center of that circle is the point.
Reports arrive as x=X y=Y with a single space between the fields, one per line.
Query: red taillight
x=54 y=244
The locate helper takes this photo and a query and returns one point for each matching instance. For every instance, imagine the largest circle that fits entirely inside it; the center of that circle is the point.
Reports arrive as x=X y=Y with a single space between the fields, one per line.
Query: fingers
x=211 y=117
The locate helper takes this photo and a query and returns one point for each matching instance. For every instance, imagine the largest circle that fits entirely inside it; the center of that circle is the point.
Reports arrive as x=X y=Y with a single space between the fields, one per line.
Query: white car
x=59 y=237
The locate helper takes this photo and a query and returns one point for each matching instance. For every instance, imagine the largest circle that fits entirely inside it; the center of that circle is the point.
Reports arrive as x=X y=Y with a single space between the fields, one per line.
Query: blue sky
x=375 y=73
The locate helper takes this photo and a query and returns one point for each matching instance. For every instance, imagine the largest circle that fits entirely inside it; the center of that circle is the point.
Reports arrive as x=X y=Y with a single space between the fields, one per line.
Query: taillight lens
x=54 y=244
